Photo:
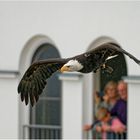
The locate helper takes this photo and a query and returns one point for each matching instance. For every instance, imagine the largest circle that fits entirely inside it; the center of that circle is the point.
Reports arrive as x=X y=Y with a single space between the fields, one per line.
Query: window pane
x=45 y=51
x=48 y=112
x=53 y=87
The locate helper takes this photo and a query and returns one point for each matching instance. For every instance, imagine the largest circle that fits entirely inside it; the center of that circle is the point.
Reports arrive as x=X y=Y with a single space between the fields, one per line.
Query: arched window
x=45 y=116
x=118 y=64
x=119 y=70
x=98 y=80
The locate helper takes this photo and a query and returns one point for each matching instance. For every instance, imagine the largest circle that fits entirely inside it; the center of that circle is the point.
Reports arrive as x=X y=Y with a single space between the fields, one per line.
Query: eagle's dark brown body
x=34 y=79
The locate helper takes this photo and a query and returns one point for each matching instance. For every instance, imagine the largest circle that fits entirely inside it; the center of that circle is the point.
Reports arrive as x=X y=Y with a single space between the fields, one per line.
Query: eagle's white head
x=72 y=65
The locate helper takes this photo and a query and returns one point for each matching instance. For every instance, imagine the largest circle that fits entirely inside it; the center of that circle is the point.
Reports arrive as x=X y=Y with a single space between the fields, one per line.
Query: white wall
x=72 y=25
x=133 y=106
x=8 y=108
x=72 y=106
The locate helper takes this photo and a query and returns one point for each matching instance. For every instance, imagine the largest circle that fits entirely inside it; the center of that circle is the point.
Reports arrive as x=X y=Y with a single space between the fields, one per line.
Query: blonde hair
x=102 y=113
x=110 y=84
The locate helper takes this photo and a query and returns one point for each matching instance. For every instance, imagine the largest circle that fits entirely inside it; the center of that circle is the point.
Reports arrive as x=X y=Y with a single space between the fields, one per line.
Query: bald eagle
x=34 y=79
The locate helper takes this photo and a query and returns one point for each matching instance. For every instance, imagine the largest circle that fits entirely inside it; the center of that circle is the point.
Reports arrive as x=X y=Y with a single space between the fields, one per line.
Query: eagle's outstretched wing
x=107 y=50
x=34 y=79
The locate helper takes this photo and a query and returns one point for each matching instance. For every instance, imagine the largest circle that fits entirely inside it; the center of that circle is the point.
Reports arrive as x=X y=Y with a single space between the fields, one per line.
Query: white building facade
x=71 y=28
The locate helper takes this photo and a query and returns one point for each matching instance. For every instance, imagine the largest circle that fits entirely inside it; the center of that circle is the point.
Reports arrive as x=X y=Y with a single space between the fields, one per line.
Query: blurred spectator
x=122 y=90
x=98 y=102
x=108 y=100
x=108 y=126
x=114 y=120
x=110 y=95
x=120 y=108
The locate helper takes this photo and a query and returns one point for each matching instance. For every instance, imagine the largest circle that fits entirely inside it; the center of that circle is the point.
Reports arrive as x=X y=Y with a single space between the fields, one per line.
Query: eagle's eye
x=69 y=66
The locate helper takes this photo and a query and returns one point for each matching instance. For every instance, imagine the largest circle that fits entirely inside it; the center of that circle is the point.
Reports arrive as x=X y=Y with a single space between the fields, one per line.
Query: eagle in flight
x=34 y=79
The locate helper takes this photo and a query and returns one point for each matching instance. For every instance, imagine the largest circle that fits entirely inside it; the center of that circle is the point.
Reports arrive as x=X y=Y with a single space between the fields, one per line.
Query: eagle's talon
x=109 y=69
x=96 y=70
x=106 y=68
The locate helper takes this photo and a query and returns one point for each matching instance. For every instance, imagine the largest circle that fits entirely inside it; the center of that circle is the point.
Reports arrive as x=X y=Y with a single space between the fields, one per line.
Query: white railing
x=98 y=135
x=41 y=132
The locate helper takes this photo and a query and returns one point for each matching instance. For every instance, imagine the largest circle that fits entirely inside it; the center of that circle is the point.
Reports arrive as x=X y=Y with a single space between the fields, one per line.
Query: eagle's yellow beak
x=64 y=68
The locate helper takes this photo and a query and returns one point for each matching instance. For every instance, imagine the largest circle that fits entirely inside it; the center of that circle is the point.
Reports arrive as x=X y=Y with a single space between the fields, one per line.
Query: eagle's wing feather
x=34 y=79
x=111 y=49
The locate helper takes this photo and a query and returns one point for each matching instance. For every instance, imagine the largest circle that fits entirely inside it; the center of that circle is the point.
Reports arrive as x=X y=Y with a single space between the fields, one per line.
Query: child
x=107 y=125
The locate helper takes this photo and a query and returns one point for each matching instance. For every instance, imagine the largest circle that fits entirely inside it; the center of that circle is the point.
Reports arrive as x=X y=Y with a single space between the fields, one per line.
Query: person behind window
x=120 y=108
x=110 y=95
x=98 y=102
x=108 y=126
x=107 y=100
